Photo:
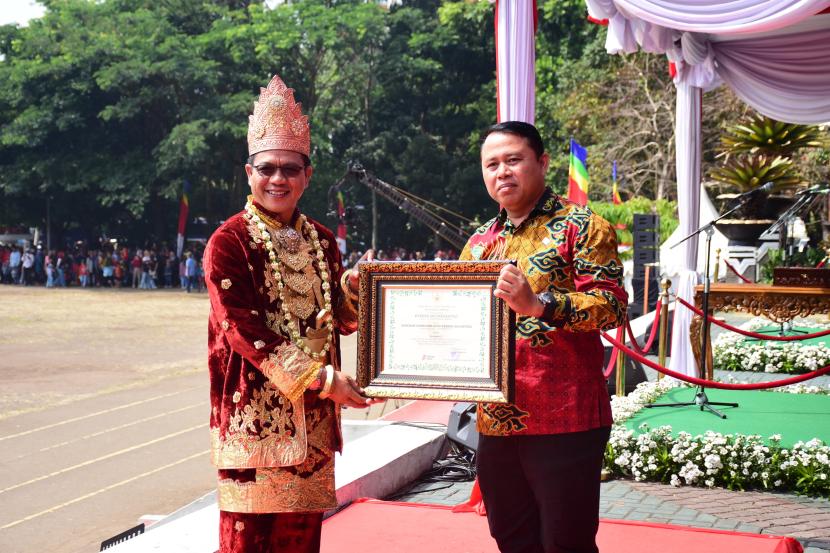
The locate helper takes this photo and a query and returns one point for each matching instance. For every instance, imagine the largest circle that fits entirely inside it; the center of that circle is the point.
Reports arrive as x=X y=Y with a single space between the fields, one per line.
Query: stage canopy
x=774 y=54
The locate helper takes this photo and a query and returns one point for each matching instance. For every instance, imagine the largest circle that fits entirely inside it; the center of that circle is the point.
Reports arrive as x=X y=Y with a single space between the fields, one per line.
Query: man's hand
x=354 y=275
x=344 y=390
x=514 y=288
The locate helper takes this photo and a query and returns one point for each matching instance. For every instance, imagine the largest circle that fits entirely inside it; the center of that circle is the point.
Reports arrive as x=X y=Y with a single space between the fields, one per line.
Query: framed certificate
x=434 y=330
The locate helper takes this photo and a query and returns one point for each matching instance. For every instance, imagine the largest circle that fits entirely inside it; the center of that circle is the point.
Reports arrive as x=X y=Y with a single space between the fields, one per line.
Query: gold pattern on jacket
x=306 y=487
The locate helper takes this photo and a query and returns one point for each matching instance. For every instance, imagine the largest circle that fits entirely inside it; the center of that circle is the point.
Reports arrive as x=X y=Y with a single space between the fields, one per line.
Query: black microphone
x=750 y=194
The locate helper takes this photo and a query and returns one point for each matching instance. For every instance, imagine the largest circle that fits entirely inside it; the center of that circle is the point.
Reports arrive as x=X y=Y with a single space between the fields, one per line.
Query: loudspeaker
x=643 y=221
x=461 y=427
x=646 y=255
x=638 y=286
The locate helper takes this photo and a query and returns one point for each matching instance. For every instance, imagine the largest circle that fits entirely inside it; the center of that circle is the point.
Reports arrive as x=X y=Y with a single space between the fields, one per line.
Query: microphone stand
x=701 y=399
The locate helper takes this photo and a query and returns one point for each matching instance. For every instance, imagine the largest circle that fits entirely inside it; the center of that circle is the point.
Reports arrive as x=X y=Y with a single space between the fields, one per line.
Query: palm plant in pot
x=754 y=152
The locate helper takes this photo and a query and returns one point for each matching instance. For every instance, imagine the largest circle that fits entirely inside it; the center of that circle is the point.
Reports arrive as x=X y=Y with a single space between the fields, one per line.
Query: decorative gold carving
x=777 y=303
x=778 y=308
x=696 y=339
x=498 y=388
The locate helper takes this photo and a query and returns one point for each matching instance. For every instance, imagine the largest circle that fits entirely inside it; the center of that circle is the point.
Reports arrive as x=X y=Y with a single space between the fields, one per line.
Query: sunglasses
x=268 y=170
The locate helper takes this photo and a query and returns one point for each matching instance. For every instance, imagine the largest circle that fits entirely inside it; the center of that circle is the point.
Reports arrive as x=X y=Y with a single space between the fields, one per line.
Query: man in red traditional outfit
x=277 y=310
x=539 y=458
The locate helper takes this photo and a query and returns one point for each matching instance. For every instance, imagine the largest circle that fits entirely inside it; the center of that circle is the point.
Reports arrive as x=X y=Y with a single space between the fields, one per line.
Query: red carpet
x=422 y=411
x=371 y=526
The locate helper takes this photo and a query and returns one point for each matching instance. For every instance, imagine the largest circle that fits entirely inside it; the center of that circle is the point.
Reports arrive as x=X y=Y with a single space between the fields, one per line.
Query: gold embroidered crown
x=278 y=122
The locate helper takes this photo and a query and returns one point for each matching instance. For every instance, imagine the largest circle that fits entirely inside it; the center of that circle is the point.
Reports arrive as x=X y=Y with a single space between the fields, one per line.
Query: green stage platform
x=796 y=417
x=772 y=330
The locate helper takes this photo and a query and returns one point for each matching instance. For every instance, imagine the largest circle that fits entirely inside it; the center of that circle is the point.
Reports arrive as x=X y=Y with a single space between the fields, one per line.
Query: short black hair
x=519 y=128
x=306 y=161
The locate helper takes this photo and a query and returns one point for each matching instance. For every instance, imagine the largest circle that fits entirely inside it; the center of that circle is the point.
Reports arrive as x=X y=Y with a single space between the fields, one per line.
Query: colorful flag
x=615 y=193
x=184 y=206
x=578 y=174
x=341 y=225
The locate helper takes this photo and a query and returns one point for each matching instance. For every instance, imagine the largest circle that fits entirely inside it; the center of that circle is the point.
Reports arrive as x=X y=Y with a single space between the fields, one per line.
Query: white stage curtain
x=654 y=17
x=786 y=77
x=783 y=72
x=516 y=60
x=687 y=137
x=773 y=53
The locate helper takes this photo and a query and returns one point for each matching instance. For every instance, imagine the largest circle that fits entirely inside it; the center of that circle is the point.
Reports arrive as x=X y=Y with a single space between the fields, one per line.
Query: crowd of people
x=143 y=268
x=402 y=254
x=108 y=267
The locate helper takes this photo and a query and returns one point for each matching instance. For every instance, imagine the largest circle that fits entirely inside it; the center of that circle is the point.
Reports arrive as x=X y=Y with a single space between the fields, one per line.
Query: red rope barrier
x=749 y=333
x=614 y=353
x=739 y=275
x=711 y=383
x=650 y=342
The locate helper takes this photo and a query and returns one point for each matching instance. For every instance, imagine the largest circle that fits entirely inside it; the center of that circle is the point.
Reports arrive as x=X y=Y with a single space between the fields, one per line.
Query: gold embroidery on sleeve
x=290 y=369
x=259 y=344
x=226 y=283
x=225 y=325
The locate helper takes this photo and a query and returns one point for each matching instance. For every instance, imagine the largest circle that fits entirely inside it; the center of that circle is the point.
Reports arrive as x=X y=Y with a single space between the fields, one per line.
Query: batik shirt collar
x=548 y=203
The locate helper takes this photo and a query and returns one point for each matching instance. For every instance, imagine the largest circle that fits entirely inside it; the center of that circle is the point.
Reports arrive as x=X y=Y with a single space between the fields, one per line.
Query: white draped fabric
x=515 y=60
x=687 y=139
x=773 y=53
x=655 y=17
x=786 y=77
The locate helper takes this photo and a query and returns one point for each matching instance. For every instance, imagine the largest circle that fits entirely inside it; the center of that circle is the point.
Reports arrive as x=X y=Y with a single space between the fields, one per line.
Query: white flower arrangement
x=713 y=459
x=732 y=353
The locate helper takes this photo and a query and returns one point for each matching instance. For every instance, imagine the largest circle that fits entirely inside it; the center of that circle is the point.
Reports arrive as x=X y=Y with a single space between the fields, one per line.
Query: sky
x=19 y=11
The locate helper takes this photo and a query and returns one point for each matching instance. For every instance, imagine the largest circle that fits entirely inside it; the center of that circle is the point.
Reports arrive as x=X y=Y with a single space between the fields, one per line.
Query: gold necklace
x=263 y=222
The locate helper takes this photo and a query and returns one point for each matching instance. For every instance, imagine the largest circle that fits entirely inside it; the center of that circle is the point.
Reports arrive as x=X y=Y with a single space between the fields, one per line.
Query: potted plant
x=754 y=152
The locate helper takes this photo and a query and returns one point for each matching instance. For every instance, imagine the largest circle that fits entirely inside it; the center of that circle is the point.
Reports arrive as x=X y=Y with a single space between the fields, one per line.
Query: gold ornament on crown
x=263 y=222
x=278 y=122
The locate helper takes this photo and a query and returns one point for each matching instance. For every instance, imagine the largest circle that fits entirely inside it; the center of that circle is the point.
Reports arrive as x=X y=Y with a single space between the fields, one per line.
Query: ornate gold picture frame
x=434 y=330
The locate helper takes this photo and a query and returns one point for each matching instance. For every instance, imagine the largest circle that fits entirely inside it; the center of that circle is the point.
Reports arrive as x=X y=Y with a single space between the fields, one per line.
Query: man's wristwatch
x=549 y=305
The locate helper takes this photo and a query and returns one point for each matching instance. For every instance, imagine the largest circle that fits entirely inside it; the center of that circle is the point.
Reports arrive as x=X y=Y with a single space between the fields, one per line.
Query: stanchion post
x=664 y=325
x=717 y=265
x=620 y=370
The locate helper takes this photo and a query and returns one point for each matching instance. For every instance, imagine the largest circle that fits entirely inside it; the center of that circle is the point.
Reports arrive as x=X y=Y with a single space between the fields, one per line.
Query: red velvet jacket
x=567 y=250
x=260 y=411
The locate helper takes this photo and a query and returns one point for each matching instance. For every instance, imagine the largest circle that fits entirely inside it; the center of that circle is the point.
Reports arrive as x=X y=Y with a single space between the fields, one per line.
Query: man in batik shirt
x=539 y=458
x=277 y=310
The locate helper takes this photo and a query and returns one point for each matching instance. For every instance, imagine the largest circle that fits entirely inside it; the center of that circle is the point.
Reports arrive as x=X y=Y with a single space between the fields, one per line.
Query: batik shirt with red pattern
x=569 y=251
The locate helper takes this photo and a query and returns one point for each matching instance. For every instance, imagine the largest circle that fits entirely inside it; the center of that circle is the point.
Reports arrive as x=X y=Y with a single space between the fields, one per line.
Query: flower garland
x=262 y=222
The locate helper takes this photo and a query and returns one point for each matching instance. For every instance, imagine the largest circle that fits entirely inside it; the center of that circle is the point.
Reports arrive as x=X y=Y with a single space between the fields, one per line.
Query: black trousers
x=542 y=492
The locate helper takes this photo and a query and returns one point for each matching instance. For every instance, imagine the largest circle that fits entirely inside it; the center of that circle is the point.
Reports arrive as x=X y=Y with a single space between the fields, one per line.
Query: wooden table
x=777 y=303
